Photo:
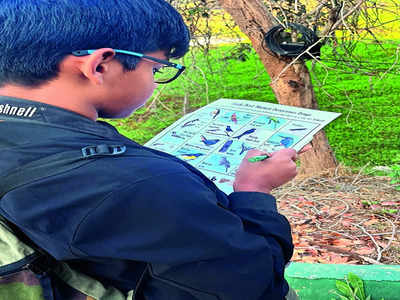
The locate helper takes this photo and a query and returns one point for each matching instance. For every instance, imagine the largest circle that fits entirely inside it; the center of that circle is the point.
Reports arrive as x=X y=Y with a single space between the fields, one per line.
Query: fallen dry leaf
x=365 y=251
x=338 y=259
x=370 y=222
x=342 y=242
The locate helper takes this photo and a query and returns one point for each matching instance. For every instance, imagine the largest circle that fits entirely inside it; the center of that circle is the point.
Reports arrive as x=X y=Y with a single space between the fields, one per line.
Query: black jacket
x=114 y=215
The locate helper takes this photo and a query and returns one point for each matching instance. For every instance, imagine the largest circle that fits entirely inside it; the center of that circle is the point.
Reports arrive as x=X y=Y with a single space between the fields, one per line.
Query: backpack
x=27 y=272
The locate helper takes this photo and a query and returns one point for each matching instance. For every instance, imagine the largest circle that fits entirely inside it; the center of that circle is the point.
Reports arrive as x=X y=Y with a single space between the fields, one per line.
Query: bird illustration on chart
x=226 y=146
x=191 y=156
x=250 y=131
x=225 y=162
x=223 y=180
x=273 y=121
x=245 y=148
x=228 y=130
x=286 y=141
x=297 y=129
x=189 y=123
x=234 y=118
x=208 y=142
x=215 y=113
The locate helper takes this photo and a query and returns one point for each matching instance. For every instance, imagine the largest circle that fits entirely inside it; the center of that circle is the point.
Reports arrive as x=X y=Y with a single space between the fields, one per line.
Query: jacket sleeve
x=196 y=249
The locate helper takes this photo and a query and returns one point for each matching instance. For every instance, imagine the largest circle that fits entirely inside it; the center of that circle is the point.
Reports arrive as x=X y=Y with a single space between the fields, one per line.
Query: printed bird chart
x=215 y=138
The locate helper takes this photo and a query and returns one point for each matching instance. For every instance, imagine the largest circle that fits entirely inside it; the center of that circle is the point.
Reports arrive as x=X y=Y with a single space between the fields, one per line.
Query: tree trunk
x=292 y=87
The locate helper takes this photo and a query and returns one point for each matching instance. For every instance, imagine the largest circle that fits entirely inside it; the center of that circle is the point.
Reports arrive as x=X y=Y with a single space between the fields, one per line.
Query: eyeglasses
x=167 y=73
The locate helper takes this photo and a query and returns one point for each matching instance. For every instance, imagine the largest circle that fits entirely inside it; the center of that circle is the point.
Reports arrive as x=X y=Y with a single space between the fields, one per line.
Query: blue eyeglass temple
x=141 y=55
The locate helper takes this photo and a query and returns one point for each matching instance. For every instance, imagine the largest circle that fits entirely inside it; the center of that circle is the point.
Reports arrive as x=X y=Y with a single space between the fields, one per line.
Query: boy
x=141 y=220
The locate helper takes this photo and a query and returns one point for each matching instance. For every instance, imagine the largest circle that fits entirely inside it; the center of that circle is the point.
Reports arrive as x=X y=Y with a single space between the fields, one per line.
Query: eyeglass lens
x=164 y=74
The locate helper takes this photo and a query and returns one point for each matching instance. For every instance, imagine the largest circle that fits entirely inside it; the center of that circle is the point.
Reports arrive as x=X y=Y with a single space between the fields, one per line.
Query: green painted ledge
x=317 y=281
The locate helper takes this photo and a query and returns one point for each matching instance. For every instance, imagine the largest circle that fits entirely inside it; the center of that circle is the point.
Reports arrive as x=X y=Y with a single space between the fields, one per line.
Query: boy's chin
x=117 y=115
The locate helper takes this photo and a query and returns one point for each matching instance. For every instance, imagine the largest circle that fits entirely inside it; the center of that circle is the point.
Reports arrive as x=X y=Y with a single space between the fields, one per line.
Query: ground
x=341 y=217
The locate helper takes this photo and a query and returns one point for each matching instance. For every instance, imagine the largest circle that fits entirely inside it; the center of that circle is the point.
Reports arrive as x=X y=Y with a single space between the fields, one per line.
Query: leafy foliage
x=395 y=176
x=351 y=289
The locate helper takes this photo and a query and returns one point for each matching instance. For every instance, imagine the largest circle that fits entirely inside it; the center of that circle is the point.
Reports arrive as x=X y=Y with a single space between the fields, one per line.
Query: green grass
x=367 y=132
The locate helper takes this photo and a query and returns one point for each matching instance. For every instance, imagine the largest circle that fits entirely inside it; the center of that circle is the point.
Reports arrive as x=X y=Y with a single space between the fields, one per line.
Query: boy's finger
x=287 y=152
x=305 y=148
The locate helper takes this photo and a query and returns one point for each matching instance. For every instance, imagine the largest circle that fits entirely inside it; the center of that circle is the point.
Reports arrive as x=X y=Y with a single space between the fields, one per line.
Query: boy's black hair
x=35 y=35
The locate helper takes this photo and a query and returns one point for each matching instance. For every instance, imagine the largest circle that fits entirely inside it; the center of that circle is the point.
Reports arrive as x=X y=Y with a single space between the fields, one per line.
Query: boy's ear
x=95 y=65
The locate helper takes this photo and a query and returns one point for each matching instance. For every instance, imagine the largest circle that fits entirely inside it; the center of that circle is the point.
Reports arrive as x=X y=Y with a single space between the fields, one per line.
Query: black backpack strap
x=43 y=263
x=56 y=164
x=45 y=167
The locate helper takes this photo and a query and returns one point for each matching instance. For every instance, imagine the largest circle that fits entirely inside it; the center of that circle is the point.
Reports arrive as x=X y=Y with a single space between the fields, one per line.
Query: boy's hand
x=263 y=176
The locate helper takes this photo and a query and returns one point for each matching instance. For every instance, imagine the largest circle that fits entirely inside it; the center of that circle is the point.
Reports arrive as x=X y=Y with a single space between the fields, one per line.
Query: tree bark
x=292 y=87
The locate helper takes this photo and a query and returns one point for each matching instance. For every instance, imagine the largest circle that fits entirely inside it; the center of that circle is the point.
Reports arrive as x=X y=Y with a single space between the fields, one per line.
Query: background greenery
x=367 y=132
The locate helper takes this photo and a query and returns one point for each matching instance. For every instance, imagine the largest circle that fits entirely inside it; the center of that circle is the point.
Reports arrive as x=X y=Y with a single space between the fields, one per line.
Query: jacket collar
x=32 y=111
